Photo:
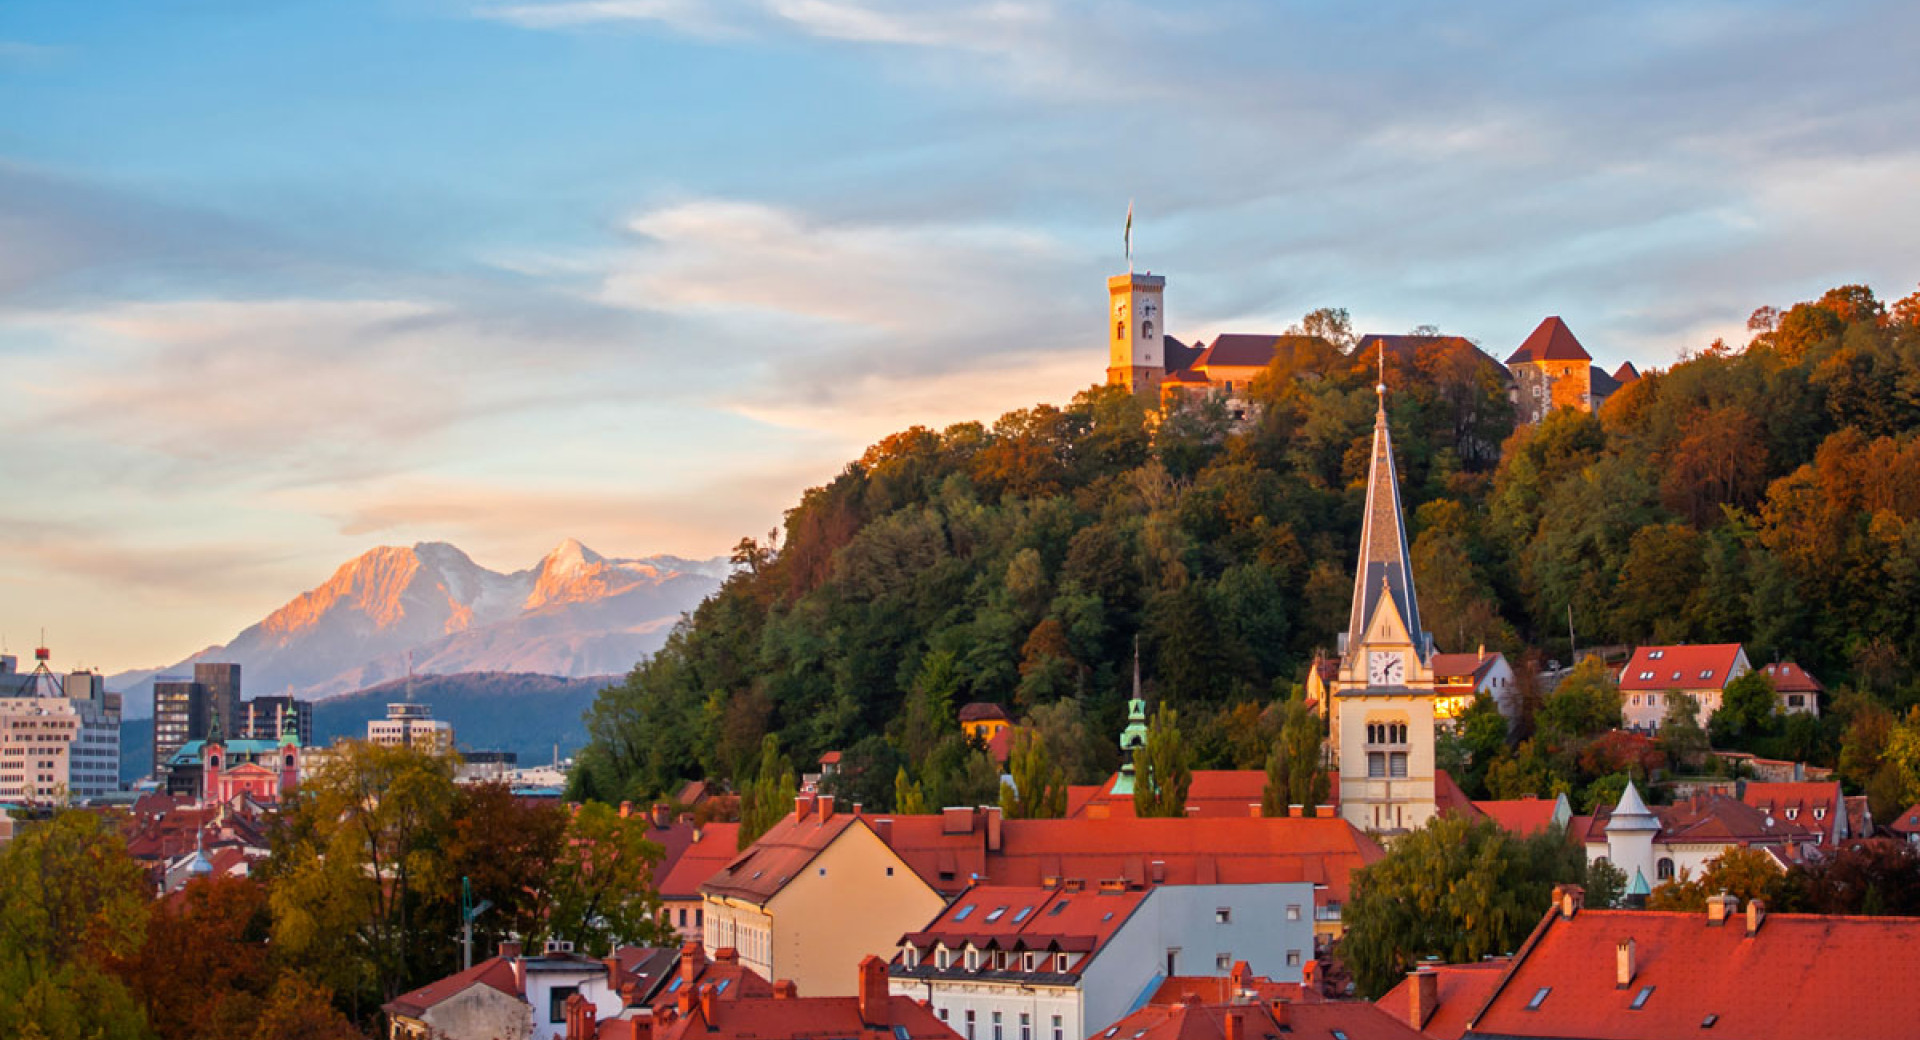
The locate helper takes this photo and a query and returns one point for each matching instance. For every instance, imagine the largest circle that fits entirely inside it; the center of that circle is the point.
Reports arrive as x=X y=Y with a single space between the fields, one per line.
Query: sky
x=283 y=281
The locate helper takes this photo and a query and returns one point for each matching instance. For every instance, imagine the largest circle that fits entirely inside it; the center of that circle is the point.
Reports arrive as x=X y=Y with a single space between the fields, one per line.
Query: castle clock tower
x=1382 y=711
x=1136 y=331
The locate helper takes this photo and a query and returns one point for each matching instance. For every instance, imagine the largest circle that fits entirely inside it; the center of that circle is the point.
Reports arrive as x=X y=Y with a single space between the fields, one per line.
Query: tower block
x=1136 y=349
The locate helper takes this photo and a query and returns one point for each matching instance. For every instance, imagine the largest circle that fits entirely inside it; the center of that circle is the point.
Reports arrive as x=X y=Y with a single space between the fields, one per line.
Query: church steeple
x=1385 y=567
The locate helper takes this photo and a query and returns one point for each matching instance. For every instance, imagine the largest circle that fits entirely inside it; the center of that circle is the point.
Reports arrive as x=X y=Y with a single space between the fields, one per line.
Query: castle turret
x=1630 y=833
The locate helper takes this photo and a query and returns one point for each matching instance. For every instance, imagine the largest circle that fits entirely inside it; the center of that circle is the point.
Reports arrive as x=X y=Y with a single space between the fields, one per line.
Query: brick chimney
x=662 y=815
x=883 y=827
x=1309 y=978
x=1623 y=964
x=873 y=991
x=1236 y=1026
x=1756 y=913
x=726 y=955
x=993 y=828
x=1721 y=907
x=1423 y=996
x=510 y=950
x=825 y=802
x=1296 y=811
x=1326 y=812
x=692 y=960
x=1239 y=976
x=1569 y=898
x=802 y=804
x=1282 y=1015
x=1253 y=810
x=626 y=809
x=708 y=996
x=784 y=989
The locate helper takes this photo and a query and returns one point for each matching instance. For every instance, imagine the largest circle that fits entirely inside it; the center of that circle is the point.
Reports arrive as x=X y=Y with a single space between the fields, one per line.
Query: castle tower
x=1630 y=833
x=1383 y=703
x=1551 y=370
x=1136 y=332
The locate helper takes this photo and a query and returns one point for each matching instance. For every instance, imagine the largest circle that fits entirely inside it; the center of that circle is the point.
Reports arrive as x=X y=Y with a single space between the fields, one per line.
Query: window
x=1707 y=1022
x=1026 y=1026
x=1025 y=912
x=1793 y=814
x=973 y=959
x=1293 y=911
x=998 y=1033
x=1223 y=915
x=823 y=872
x=1397 y=765
x=1706 y=673
x=1057 y=907
x=1640 y=998
x=557 y=1002
x=1060 y=963
x=1539 y=998
x=1173 y=961
x=941 y=959
x=943 y=1014
x=1376 y=764
x=1657 y=654
x=998 y=911
x=1663 y=870
x=1223 y=962
x=1819 y=812
x=1032 y=959
x=1293 y=958
x=699 y=916
x=1059 y=1029
x=965 y=912
x=969 y=1024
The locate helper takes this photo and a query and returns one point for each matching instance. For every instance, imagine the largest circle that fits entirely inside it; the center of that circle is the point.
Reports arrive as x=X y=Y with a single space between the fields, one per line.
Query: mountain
x=575 y=613
x=530 y=715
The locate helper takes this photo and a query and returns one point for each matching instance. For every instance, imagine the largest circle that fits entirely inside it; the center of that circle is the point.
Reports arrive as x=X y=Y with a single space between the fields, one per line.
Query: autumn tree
x=506 y=847
x=602 y=892
x=1161 y=773
x=206 y=967
x=1295 y=771
x=1743 y=872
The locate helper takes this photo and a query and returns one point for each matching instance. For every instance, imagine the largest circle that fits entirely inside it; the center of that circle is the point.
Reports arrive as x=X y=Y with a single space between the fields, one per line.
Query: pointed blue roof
x=1385 y=566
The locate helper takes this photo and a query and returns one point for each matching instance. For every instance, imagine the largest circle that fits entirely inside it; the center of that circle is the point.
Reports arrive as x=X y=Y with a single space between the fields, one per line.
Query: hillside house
x=1654 y=673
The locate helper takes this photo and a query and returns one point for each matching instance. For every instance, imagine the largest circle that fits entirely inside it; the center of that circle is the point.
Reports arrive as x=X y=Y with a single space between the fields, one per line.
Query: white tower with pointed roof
x=1630 y=833
x=1382 y=713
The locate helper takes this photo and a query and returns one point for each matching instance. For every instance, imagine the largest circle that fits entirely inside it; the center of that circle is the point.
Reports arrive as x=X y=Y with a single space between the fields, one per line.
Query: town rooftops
x=1473 y=667
x=700 y=859
x=1551 y=341
x=1685 y=667
x=1711 y=819
x=1523 y=816
x=494 y=972
x=983 y=711
x=787 y=1015
x=760 y=871
x=1270 y=1020
x=1028 y=917
x=1607 y=974
x=1815 y=806
x=1254 y=349
x=723 y=974
x=1458 y=991
x=1626 y=373
x=1907 y=822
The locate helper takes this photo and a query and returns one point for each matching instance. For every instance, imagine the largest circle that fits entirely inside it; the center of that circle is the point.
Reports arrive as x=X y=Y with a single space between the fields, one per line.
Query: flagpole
x=1129 y=237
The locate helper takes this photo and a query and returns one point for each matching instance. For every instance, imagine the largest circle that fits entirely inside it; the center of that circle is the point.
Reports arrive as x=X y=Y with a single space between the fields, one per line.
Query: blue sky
x=283 y=281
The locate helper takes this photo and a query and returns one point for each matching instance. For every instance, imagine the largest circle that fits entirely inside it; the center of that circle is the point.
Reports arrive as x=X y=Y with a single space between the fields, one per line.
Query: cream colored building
x=411 y=725
x=36 y=741
x=813 y=896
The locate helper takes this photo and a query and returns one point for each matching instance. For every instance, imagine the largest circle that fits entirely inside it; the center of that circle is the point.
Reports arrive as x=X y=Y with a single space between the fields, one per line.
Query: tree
x=506 y=847
x=205 y=967
x=1606 y=885
x=1746 y=873
x=929 y=716
x=1295 y=774
x=1587 y=702
x=299 y=1010
x=1039 y=788
x=907 y=797
x=70 y=897
x=1161 y=773
x=602 y=893
x=1456 y=889
x=769 y=798
x=1746 y=711
x=1681 y=737
x=1863 y=876
x=361 y=891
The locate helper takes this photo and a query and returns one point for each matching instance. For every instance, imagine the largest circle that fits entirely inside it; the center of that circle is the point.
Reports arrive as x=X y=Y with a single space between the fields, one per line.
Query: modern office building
x=184 y=709
x=94 y=758
x=410 y=725
x=265 y=718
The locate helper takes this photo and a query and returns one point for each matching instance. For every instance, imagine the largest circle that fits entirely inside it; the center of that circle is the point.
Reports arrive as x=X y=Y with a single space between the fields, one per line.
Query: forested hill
x=1768 y=494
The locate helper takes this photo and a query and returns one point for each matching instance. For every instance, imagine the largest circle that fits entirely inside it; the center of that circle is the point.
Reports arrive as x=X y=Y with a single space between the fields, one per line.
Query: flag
x=1128 y=236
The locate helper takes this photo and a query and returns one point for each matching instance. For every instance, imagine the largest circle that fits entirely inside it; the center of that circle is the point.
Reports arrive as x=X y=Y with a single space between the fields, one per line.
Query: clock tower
x=1382 y=710
x=1136 y=332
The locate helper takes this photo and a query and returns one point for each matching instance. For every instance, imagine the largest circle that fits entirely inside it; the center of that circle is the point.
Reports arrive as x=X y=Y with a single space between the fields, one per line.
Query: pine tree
x=1162 y=768
x=908 y=800
x=1039 y=789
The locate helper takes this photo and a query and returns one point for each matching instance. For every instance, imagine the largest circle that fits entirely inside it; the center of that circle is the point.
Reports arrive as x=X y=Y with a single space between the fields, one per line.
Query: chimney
x=629 y=995
x=510 y=951
x=520 y=975
x=784 y=989
x=1296 y=811
x=1236 y=1027
x=859 y=809
x=662 y=815
x=884 y=828
x=873 y=990
x=1238 y=977
x=1424 y=996
x=1282 y=1015
x=1721 y=907
x=1570 y=898
x=626 y=809
x=1326 y=812
x=1253 y=810
x=1756 y=913
x=826 y=807
x=613 y=972
x=801 y=804
x=726 y=955
x=993 y=828
x=692 y=960
x=1623 y=964
x=1309 y=977
x=707 y=997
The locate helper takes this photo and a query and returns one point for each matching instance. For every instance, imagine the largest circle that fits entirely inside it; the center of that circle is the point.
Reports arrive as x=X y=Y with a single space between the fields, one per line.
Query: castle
x=1550 y=369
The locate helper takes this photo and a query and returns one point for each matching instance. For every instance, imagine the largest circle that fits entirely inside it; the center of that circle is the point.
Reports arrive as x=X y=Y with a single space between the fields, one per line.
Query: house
x=1437 y=999
x=817 y=892
x=1459 y=678
x=1527 y=816
x=1907 y=825
x=983 y=720
x=870 y=1011
x=1197 y=1019
x=1064 y=956
x=1819 y=808
x=1730 y=971
x=510 y=995
x=699 y=852
x=1552 y=370
x=1240 y=985
x=1799 y=691
x=1654 y=673
x=1651 y=845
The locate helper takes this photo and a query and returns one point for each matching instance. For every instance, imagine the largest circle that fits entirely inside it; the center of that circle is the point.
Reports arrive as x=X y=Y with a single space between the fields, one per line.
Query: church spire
x=1385 y=567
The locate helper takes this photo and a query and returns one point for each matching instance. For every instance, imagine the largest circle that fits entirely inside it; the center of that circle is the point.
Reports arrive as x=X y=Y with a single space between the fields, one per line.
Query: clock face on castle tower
x=1385 y=668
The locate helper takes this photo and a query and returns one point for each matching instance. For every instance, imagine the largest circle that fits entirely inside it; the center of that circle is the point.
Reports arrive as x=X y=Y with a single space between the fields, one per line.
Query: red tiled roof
x=1000 y=745
x=802 y=1018
x=766 y=866
x=1907 y=822
x=1250 y=349
x=983 y=711
x=1791 y=678
x=1711 y=819
x=1522 y=816
x=496 y=972
x=1461 y=990
x=1446 y=666
x=831 y=758
x=1551 y=341
x=1679 y=667
x=946 y=850
x=730 y=979
x=1193 y=1020
x=1815 y=806
x=1243 y=985
x=1030 y=917
x=700 y=860
x=1626 y=373
x=1212 y=794
x=1800 y=975
x=1448 y=797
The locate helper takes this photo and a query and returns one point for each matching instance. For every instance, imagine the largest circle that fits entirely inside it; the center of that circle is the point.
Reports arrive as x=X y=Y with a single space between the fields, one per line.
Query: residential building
x=1252 y=1019
x=1731 y=971
x=267 y=718
x=1459 y=678
x=512 y=995
x=1798 y=690
x=1552 y=370
x=1438 y=999
x=1528 y=816
x=816 y=893
x=869 y=1011
x=37 y=737
x=984 y=720
x=1820 y=807
x=184 y=709
x=411 y=725
x=1651 y=845
x=1059 y=959
x=708 y=849
x=1655 y=673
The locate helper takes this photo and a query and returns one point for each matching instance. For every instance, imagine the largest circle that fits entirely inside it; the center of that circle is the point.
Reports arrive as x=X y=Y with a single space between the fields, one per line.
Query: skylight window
x=1657 y=654
x=1646 y=675
x=721 y=986
x=1640 y=998
x=1108 y=916
x=1057 y=907
x=1539 y=998
x=1706 y=673
x=1025 y=912
x=965 y=912
x=998 y=911
x=1707 y=1022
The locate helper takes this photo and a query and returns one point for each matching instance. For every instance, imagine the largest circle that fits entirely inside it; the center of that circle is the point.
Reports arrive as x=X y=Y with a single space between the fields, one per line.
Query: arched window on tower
x=1663 y=870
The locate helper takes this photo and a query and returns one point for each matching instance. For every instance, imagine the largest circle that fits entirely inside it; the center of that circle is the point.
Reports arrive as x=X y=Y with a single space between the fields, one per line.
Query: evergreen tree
x=771 y=794
x=907 y=797
x=1161 y=768
x=1039 y=788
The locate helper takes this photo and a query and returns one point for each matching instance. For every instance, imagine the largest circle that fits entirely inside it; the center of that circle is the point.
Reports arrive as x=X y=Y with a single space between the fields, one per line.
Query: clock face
x=1385 y=668
x=1147 y=308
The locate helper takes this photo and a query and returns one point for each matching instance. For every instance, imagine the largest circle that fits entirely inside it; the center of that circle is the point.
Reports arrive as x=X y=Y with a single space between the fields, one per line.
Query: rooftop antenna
x=409 y=677
x=1128 y=236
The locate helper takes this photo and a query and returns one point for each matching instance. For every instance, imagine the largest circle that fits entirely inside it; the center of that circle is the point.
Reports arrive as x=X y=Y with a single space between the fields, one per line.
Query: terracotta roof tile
x=1550 y=341
x=1696 y=667
x=983 y=711
x=1461 y=990
x=1521 y=816
x=1791 y=678
x=1192 y=1020
x=700 y=860
x=1907 y=822
x=496 y=972
x=764 y=868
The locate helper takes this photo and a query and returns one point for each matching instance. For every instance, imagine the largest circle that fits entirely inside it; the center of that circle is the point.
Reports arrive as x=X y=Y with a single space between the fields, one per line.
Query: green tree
x=1039 y=788
x=1586 y=703
x=70 y=896
x=1456 y=889
x=907 y=797
x=1743 y=872
x=1161 y=768
x=1606 y=885
x=1747 y=711
x=1681 y=737
x=361 y=892
x=929 y=715
x=603 y=893
x=770 y=796
x=1295 y=772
